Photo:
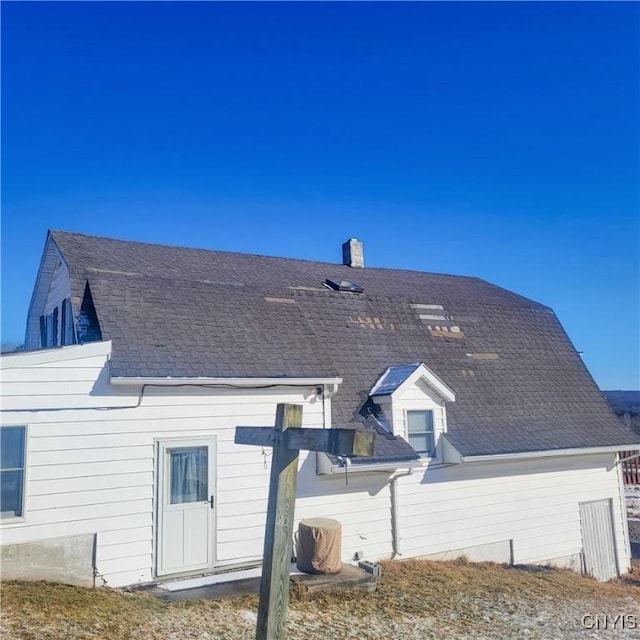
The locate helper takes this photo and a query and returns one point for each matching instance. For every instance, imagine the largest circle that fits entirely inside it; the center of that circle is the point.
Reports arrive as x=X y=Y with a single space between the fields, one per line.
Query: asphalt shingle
x=519 y=383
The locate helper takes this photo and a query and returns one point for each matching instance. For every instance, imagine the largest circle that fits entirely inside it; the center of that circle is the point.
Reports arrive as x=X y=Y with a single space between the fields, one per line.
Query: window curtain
x=188 y=475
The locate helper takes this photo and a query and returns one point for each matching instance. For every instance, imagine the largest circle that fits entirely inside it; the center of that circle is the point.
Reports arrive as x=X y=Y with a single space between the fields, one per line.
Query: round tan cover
x=319 y=546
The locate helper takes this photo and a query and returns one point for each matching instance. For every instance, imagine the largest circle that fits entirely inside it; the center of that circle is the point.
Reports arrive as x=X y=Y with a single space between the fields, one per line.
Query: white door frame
x=163 y=447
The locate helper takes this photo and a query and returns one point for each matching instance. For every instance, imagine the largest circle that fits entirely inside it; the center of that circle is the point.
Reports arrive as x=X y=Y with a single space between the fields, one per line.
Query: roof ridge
x=54 y=232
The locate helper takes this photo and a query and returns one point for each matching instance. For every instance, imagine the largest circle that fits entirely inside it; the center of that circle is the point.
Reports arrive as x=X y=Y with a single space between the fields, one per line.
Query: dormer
x=413 y=399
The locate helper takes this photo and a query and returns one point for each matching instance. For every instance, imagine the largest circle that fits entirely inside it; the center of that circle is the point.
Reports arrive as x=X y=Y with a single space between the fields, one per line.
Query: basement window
x=12 y=457
x=343 y=285
x=420 y=431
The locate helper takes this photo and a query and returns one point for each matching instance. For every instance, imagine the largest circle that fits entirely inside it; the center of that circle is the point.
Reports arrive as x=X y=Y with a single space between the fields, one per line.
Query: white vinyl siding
x=92 y=470
x=416 y=399
x=92 y=461
x=360 y=502
x=59 y=287
x=533 y=504
x=52 y=330
x=53 y=286
x=528 y=507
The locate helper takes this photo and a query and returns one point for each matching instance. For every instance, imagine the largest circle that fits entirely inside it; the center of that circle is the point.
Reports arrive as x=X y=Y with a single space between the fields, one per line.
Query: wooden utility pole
x=287 y=438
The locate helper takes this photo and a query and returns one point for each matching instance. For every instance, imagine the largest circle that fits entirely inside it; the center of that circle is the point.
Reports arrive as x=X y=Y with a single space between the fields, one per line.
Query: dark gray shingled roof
x=519 y=383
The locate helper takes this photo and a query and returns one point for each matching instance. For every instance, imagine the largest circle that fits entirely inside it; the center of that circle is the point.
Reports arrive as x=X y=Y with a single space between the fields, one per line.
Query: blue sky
x=499 y=140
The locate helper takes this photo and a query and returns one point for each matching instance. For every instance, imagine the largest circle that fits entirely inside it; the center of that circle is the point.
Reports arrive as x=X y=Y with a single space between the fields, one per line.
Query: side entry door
x=598 y=542
x=186 y=505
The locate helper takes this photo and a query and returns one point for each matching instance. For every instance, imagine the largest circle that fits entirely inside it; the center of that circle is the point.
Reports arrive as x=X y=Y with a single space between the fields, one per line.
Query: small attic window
x=420 y=431
x=343 y=285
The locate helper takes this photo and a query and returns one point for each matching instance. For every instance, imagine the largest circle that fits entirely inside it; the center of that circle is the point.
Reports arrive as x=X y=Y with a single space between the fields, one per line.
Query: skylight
x=343 y=285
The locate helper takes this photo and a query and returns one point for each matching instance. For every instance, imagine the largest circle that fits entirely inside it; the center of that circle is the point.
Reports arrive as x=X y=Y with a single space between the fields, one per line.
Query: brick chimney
x=353 y=253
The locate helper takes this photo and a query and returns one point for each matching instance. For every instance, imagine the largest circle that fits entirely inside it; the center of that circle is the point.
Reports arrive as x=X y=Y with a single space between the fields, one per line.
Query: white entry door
x=186 y=505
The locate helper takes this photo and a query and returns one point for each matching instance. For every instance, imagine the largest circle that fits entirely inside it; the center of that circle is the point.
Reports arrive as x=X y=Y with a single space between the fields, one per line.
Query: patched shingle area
x=202 y=330
x=190 y=312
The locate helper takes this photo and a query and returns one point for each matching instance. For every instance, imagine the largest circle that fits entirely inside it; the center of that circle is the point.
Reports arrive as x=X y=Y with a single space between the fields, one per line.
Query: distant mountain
x=626 y=405
x=624 y=401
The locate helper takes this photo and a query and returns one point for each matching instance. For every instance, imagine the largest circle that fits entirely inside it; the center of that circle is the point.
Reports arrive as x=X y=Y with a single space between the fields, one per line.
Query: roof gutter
x=388 y=467
x=550 y=454
x=247 y=383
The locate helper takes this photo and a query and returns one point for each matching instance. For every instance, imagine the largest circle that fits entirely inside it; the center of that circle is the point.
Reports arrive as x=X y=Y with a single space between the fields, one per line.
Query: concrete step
x=224 y=585
x=350 y=578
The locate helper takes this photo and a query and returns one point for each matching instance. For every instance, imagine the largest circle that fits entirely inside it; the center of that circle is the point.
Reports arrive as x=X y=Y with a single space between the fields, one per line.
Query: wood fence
x=630 y=468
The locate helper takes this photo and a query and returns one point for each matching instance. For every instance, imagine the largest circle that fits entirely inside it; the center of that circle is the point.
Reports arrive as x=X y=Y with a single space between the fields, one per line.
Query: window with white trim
x=420 y=433
x=12 y=463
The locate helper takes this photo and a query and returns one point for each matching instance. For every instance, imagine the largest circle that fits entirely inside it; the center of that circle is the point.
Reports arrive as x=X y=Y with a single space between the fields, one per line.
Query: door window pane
x=188 y=475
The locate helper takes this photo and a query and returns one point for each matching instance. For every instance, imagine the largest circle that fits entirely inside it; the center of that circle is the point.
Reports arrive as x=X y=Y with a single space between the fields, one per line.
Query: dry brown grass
x=478 y=599
x=414 y=599
x=43 y=610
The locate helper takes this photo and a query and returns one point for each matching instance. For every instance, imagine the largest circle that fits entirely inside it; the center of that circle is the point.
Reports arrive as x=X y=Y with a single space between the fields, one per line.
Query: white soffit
x=550 y=453
x=235 y=382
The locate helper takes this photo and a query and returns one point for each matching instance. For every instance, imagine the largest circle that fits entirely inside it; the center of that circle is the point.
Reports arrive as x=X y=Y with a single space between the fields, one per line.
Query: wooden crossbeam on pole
x=287 y=439
x=274 y=586
x=339 y=442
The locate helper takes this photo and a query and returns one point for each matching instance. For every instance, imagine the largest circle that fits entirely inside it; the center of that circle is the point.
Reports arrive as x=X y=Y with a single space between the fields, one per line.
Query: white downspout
x=326 y=391
x=395 y=514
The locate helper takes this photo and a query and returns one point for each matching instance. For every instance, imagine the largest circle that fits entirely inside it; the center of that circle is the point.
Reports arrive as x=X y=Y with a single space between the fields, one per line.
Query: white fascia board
x=424 y=373
x=56 y=354
x=582 y=451
x=421 y=372
x=248 y=383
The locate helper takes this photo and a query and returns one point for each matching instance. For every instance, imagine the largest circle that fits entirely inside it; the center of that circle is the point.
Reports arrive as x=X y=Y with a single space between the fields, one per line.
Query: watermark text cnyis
x=610 y=622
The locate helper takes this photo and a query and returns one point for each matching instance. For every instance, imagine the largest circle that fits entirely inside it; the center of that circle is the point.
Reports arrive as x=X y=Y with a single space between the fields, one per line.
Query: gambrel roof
x=519 y=383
